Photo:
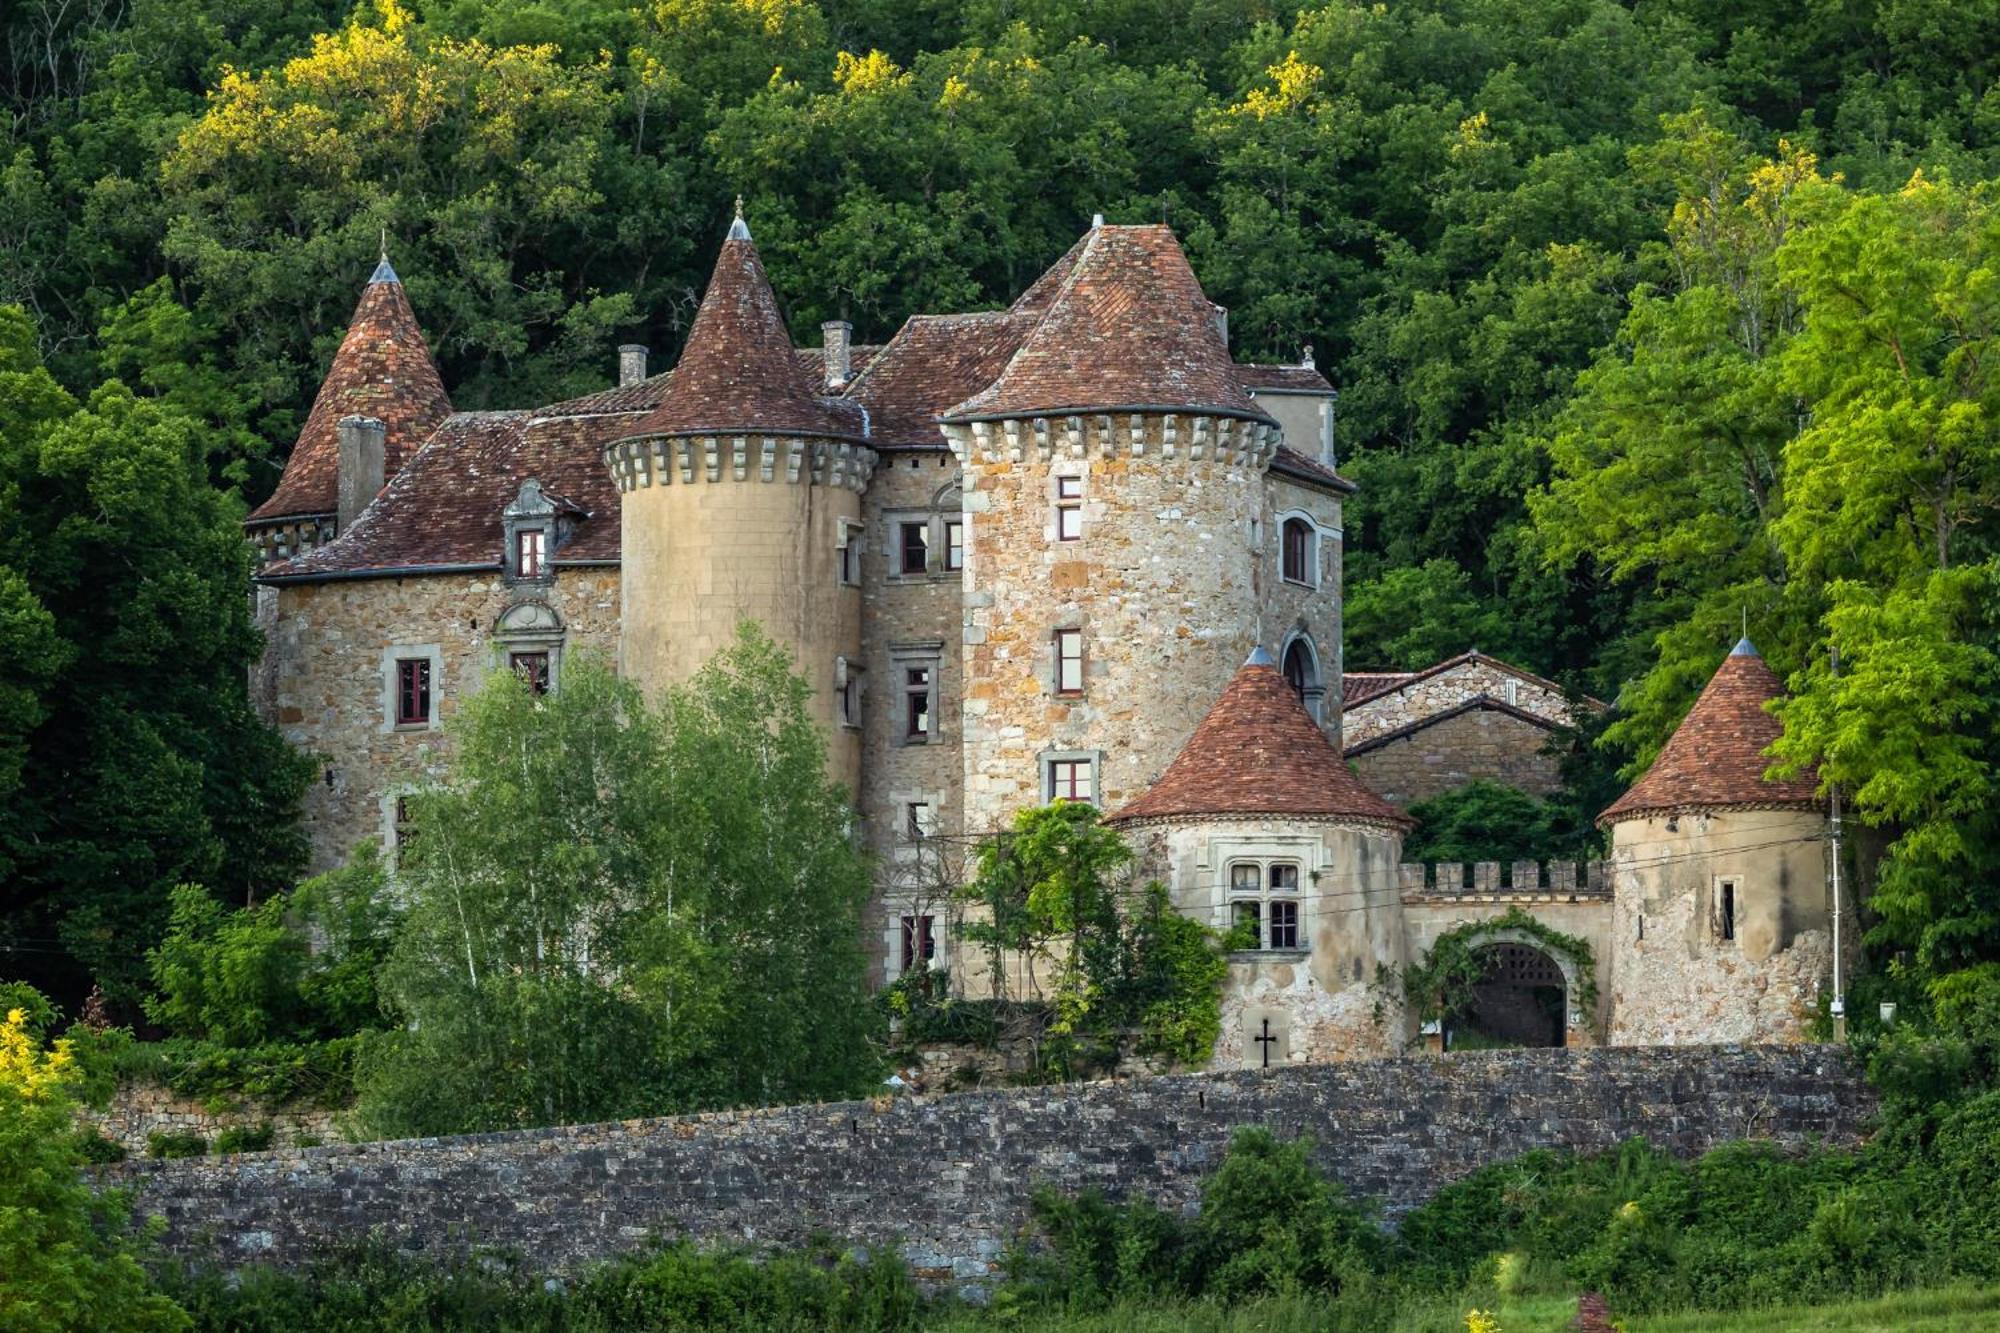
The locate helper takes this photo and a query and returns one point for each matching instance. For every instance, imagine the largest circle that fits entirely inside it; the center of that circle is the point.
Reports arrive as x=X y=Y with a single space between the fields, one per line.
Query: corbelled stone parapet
x=1522 y=880
x=287 y=537
x=1166 y=436
x=664 y=459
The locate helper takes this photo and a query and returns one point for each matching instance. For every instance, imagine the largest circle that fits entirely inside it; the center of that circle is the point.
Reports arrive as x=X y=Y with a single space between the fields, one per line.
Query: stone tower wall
x=1674 y=980
x=1164 y=584
x=1321 y=1001
x=1312 y=610
x=720 y=529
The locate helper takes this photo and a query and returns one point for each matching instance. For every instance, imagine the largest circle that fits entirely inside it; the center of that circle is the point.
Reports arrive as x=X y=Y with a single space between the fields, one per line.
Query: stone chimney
x=631 y=363
x=836 y=340
x=363 y=456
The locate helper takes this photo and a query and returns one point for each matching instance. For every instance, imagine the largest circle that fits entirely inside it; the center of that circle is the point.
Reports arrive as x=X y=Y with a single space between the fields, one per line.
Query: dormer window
x=535 y=525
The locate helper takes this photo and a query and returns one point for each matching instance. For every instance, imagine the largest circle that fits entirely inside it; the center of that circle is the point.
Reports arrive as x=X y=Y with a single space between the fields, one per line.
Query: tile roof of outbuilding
x=1259 y=752
x=1716 y=759
x=384 y=370
x=1125 y=326
x=739 y=371
x=1286 y=379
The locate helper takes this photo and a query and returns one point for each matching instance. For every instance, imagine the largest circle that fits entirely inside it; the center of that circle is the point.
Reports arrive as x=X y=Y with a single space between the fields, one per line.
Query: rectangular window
x=915 y=545
x=1298 y=542
x=954 y=544
x=917 y=820
x=919 y=941
x=850 y=699
x=413 y=691
x=1725 y=910
x=1071 y=780
x=1245 y=915
x=1069 y=661
x=1069 y=509
x=1284 y=923
x=917 y=703
x=406 y=825
x=533 y=668
x=528 y=552
x=850 y=556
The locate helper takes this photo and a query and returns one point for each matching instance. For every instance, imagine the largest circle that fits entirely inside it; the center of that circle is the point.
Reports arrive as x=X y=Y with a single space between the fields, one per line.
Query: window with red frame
x=413 y=691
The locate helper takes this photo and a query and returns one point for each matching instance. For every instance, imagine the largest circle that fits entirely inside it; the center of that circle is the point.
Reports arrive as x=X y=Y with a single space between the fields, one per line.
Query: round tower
x=739 y=493
x=1721 y=915
x=1112 y=479
x=1259 y=828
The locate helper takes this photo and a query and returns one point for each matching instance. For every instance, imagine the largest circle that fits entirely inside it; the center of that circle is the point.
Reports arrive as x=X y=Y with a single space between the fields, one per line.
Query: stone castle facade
x=1069 y=549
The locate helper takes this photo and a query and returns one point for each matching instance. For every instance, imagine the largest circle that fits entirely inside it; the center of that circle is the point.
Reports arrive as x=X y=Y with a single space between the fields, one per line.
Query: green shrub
x=92 y=1146
x=245 y=1138
x=175 y=1143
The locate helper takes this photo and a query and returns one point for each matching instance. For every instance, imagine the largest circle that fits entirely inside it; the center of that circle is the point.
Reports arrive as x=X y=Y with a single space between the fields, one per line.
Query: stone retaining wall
x=948 y=1179
x=138 y=1111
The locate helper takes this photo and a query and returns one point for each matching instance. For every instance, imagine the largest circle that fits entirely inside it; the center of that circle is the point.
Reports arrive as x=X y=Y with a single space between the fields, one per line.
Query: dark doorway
x=1520 y=1000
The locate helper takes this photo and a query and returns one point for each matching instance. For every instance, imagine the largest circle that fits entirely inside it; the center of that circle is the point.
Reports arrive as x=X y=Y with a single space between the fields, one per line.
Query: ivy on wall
x=1441 y=983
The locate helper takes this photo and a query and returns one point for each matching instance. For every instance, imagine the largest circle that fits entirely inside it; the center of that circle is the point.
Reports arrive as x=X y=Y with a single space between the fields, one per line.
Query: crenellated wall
x=948 y=1179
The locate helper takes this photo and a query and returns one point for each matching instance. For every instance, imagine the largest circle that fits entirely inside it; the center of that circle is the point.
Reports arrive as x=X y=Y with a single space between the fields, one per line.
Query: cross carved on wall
x=1267 y=1041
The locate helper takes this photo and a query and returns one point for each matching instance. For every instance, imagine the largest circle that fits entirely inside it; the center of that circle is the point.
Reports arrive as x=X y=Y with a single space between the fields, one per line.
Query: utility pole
x=1833 y=792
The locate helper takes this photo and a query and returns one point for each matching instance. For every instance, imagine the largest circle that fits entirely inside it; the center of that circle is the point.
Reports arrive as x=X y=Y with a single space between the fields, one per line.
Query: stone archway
x=1526 y=996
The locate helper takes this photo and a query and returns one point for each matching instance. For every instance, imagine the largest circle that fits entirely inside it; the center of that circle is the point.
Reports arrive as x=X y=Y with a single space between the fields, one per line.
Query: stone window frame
x=390 y=806
x=1056 y=686
x=849 y=683
x=1045 y=770
x=1314 y=695
x=531 y=511
x=402 y=652
x=1211 y=872
x=1725 y=909
x=1316 y=547
x=1264 y=897
x=894 y=909
x=1072 y=505
x=851 y=540
x=551 y=637
x=945 y=509
x=906 y=657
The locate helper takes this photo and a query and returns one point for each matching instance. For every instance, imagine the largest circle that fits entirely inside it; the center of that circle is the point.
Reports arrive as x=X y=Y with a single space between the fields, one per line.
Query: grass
x=1944 y=1310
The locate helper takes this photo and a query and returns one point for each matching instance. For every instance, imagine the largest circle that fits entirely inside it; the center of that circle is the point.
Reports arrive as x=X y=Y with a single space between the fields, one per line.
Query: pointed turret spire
x=1716 y=758
x=739 y=230
x=382 y=370
x=738 y=371
x=1259 y=752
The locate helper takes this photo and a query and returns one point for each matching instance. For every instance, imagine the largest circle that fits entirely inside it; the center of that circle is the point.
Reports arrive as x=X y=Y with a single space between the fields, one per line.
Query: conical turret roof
x=1124 y=326
x=1716 y=758
x=1258 y=752
x=384 y=370
x=738 y=372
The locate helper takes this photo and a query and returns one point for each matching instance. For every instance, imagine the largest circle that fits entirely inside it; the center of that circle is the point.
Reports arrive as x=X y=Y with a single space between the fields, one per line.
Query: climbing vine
x=1440 y=984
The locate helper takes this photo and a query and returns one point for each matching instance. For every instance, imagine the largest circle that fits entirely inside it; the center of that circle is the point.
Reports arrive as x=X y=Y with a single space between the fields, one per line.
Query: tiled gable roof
x=1126 y=326
x=1289 y=462
x=1358 y=687
x=739 y=371
x=1258 y=752
x=384 y=370
x=443 y=510
x=931 y=363
x=1716 y=759
x=1290 y=379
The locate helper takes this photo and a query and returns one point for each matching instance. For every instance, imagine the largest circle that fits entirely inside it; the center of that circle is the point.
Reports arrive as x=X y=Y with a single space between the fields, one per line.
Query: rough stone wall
x=139 y=1110
x=717 y=530
x=1164 y=584
x=1673 y=979
x=326 y=652
x=1321 y=1002
x=948 y=1179
x=1446 y=690
x=899 y=615
x=1450 y=752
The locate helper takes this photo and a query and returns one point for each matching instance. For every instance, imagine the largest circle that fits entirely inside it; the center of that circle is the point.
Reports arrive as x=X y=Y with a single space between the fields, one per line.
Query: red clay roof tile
x=931 y=363
x=1294 y=379
x=739 y=370
x=1258 y=752
x=384 y=370
x=1126 y=326
x=1716 y=758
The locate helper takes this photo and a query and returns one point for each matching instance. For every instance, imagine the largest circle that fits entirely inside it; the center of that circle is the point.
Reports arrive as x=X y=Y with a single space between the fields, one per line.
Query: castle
x=1069 y=549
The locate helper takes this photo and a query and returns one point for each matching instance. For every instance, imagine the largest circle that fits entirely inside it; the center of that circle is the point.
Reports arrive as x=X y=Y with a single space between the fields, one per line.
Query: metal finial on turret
x=1306 y=357
x=384 y=271
x=739 y=230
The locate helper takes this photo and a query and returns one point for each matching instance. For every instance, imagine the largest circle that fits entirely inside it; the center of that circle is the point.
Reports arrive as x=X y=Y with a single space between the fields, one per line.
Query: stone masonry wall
x=328 y=678
x=137 y=1111
x=948 y=1179
x=1446 y=690
x=1447 y=754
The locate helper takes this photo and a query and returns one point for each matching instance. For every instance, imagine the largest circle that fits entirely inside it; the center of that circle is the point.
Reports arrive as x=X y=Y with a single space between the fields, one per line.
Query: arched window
x=1299 y=551
x=1300 y=672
